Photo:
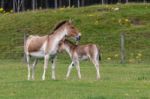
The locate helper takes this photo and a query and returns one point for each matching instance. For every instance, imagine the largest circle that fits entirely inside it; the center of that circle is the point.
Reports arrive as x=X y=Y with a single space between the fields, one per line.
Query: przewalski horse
x=81 y=52
x=47 y=46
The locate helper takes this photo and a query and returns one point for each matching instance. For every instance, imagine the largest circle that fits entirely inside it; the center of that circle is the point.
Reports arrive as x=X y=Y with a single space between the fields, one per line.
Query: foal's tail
x=100 y=56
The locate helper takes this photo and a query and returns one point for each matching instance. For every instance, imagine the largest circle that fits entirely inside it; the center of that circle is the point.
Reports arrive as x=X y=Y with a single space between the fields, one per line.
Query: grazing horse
x=47 y=46
x=81 y=52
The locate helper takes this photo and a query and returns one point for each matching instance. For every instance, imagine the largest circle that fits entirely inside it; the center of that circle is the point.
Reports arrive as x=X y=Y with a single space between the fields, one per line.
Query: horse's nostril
x=78 y=38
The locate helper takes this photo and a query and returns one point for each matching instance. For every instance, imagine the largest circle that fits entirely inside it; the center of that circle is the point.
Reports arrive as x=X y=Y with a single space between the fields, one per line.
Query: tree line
x=22 y=5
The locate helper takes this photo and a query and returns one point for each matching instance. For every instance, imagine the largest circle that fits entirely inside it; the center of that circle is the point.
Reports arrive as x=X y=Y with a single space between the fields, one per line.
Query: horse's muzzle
x=78 y=38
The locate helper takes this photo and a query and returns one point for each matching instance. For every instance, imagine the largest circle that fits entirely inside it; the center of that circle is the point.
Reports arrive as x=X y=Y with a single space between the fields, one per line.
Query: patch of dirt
x=103 y=9
x=136 y=21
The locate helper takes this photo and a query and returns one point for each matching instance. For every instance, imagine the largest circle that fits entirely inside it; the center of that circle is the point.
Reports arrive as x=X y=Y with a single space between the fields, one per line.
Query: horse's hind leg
x=28 y=64
x=69 y=69
x=33 y=68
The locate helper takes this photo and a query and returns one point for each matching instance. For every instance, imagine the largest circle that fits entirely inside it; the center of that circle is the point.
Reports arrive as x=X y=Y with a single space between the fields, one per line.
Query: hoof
x=53 y=78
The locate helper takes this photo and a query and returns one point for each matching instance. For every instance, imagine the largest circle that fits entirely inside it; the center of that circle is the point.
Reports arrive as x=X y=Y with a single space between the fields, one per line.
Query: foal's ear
x=63 y=40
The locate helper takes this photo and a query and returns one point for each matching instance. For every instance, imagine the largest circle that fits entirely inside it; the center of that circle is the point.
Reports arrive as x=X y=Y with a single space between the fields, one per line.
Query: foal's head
x=66 y=44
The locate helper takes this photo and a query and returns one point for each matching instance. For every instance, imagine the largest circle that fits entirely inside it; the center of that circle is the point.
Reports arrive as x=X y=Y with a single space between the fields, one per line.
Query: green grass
x=130 y=81
x=98 y=24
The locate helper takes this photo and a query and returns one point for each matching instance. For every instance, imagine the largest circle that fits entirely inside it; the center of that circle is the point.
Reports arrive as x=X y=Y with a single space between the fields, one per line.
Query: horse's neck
x=54 y=40
x=59 y=35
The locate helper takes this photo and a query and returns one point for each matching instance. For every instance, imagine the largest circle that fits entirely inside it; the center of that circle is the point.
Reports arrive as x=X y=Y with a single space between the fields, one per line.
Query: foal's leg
x=46 y=58
x=33 y=68
x=69 y=69
x=96 y=64
x=78 y=69
x=28 y=64
x=53 y=67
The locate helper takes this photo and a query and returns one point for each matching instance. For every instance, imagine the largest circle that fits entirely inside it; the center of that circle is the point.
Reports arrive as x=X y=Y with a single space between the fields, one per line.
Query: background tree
x=78 y=3
x=2 y=3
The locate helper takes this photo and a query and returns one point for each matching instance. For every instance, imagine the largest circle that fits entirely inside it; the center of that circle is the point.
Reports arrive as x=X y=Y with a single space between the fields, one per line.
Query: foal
x=81 y=52
x=47 y=46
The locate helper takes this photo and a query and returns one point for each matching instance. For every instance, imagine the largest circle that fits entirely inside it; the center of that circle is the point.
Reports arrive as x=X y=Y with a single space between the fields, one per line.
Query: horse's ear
x=70 y=20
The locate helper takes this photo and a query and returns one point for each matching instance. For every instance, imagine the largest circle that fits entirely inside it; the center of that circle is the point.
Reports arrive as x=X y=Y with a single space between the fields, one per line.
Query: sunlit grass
x=117 y=81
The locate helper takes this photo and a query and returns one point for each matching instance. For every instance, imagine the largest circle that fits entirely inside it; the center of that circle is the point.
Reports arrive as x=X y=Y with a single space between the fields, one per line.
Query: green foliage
x=100 y=24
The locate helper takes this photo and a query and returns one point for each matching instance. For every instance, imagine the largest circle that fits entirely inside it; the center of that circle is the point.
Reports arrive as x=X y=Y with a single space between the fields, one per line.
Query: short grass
x=129 y=81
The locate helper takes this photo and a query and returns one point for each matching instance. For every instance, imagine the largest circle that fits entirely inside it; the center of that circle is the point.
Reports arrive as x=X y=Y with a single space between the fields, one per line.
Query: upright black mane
x=59 y=24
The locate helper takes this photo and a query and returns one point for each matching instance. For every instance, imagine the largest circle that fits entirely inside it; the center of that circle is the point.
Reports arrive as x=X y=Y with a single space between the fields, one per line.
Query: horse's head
x=72 y=31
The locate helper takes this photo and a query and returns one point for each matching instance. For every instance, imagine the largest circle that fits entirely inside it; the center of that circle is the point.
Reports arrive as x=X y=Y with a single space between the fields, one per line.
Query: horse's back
x=35 y=42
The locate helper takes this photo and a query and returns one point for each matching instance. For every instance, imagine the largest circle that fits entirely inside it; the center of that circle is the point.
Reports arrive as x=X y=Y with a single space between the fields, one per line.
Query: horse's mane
x=59 y=24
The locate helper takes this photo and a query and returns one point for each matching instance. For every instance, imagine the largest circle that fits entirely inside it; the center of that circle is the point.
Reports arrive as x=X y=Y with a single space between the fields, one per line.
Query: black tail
x=100 y=57
x=99 y=53
x=25 y=39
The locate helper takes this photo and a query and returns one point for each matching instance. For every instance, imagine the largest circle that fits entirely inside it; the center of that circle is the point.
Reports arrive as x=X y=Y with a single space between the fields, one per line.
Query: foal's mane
x=69 y=42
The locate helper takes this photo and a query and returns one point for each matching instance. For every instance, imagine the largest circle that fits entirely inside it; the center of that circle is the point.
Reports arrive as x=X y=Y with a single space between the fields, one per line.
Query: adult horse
x=47 y=46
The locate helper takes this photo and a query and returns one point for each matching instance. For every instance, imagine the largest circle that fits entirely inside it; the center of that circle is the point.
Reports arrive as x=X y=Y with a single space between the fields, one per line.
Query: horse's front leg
x=53 y=67
x=69 y=70
x=33 y=68
x=46 y=58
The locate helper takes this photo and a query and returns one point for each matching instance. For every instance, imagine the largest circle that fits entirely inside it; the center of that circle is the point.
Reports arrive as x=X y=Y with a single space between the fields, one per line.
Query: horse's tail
x=25 y=39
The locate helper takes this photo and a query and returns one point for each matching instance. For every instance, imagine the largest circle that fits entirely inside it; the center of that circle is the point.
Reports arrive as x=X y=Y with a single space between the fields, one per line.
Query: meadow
x=128 y=81
x=99 y=24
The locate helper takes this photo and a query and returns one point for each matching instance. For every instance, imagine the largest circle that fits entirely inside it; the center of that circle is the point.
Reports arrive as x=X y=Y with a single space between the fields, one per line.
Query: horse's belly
x=84 y=57
x=38 y=54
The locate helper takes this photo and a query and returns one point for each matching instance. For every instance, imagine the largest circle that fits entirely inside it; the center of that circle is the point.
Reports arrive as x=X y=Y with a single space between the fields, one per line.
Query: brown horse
x=47 y=46
x=81 y=52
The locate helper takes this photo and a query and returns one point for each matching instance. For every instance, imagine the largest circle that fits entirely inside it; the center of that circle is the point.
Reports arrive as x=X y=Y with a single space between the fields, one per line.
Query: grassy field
x=130 y=81
x=99 y=24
